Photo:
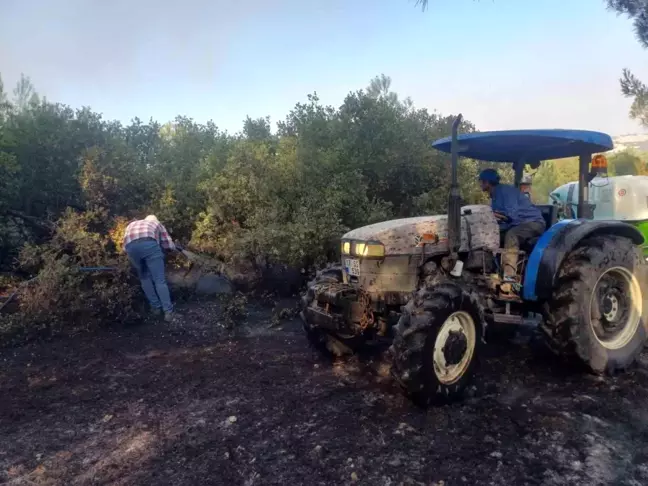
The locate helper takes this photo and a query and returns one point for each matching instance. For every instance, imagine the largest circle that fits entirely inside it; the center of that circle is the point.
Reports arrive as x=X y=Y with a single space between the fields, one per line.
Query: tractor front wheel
x=437 y=343
x=598 y=311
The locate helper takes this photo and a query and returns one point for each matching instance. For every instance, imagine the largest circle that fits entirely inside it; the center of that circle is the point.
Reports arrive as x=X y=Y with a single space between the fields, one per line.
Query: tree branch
x=34 y=222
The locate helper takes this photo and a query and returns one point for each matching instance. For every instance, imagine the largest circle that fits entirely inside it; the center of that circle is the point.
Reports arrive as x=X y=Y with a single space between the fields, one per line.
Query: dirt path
x=187 y=405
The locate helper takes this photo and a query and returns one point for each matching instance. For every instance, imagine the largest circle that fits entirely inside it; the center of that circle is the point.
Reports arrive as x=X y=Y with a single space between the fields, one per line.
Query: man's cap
x=489 y=175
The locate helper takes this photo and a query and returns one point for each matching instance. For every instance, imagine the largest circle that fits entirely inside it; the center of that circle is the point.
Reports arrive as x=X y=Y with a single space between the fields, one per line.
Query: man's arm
x=165 y=239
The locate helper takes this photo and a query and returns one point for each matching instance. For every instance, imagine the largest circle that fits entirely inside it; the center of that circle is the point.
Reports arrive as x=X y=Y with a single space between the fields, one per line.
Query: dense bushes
x=63 y=297
x=282 y=197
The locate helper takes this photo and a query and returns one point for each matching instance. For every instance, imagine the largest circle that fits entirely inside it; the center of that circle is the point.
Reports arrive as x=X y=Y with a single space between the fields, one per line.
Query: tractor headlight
x=369 y=250
x=346 y=248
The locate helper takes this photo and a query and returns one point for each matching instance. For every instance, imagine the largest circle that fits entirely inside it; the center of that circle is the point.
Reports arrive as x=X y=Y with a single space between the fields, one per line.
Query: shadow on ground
x=188 y=404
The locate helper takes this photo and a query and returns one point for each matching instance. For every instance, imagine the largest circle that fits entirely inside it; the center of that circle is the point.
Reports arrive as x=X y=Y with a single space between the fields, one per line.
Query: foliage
x=628 y=162
x=287 y=198
x=61 y=297
x=631 y=86
x=637 y=10
x=552 y=174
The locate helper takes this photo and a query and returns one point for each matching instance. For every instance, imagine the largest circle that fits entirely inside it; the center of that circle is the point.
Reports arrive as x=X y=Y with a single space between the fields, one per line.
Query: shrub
x=63 y=297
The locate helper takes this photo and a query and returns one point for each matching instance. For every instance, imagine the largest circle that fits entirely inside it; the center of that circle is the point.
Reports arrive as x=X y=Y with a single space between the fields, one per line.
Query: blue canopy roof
x=527 y=145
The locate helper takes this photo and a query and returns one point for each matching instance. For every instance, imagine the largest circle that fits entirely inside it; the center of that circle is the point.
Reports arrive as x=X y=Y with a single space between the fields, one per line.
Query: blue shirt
x=509 y=200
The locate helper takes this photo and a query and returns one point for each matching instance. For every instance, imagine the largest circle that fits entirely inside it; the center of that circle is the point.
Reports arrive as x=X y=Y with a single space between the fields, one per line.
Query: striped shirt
x=148 y=229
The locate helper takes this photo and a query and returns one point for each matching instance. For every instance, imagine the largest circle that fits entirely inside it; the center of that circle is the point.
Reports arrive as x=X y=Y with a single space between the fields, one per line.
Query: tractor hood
x=479 y=229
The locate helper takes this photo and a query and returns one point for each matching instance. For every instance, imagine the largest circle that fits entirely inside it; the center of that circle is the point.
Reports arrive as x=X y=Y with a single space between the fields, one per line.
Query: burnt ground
x=191 y=404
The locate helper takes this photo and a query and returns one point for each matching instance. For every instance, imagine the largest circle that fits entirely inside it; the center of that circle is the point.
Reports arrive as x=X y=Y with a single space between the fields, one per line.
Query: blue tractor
x=432 y=285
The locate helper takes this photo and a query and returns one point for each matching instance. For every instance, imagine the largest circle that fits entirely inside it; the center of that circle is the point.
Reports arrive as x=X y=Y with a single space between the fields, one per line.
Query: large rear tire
x=329 y=344
x=598 y=311
x=437 y=344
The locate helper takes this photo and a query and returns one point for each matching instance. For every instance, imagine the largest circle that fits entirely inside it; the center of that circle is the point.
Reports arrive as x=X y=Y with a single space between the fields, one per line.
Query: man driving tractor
x=519 y=221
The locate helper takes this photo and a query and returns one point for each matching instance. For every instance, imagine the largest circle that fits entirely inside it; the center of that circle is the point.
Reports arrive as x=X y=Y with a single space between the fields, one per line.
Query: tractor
x=430 y=286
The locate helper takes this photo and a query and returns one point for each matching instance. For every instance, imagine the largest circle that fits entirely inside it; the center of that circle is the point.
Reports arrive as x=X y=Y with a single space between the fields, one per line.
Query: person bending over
x=144 y=241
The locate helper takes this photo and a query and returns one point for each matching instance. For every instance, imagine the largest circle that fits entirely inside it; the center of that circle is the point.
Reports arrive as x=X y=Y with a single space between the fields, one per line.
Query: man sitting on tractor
x=519 y=221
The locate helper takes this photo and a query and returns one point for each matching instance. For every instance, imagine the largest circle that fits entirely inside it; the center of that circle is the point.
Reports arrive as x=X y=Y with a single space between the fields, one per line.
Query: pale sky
x=503 y=63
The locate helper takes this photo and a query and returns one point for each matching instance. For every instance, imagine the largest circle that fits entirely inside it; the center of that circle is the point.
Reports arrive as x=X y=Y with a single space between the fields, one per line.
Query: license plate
x=352 y=266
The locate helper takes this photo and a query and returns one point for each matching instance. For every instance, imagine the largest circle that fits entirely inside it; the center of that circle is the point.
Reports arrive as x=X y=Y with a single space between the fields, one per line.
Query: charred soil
x=192 y=403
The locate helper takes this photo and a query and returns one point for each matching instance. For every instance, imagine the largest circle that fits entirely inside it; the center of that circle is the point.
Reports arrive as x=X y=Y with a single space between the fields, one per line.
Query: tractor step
x=516 y=320
x=507 y=319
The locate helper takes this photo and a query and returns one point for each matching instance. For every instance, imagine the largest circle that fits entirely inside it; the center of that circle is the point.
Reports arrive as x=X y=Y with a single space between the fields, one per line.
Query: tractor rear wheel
x=323 y=341
x=437 y=343
x=598 y=312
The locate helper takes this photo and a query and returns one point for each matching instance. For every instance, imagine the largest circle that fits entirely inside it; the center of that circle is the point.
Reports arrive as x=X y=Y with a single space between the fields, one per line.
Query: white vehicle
x=621 y=198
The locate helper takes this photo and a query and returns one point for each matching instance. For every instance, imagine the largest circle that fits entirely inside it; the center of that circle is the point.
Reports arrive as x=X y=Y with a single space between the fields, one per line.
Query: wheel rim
x=616 y=307
x=454 y=347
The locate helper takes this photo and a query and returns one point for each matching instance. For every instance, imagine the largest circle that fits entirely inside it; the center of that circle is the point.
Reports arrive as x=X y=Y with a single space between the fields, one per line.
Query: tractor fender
x=556 y=243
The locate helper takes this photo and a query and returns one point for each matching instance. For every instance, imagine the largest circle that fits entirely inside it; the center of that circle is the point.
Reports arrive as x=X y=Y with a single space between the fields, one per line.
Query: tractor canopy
x=527 y=146
x=521 y=147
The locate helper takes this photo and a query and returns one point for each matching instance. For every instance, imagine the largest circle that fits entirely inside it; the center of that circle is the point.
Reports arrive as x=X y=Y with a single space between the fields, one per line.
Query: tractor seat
x=549 y=213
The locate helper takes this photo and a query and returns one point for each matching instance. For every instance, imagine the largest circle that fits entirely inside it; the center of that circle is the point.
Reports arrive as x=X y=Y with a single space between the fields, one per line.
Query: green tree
x=626 y=163
x=552 y=174
x=631 y=86
x=637 y=10
x=24 y=93
x=5 y=104
x=257 y=129
x=379 y=87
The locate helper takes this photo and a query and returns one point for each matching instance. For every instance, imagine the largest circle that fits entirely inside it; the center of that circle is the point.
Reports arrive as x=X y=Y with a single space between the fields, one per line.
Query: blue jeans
x=147 y=258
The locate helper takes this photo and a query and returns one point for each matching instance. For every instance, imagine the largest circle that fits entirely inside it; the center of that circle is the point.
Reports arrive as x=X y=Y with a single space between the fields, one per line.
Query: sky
x=504 y=64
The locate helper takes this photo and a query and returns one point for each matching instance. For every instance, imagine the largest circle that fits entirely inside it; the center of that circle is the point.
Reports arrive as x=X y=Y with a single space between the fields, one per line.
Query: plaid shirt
x=148 y=229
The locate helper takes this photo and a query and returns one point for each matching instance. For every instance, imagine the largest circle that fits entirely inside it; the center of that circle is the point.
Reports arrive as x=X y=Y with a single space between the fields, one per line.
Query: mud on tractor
x=430 y=285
